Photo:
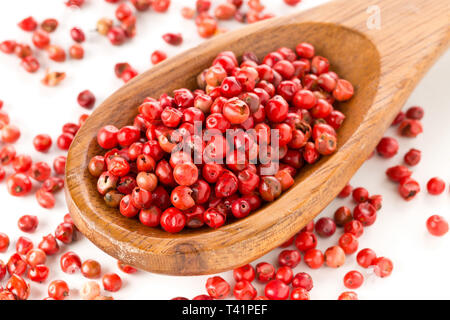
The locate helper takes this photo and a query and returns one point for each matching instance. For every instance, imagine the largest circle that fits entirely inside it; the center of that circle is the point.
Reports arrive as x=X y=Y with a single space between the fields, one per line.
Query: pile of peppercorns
x=159 y=170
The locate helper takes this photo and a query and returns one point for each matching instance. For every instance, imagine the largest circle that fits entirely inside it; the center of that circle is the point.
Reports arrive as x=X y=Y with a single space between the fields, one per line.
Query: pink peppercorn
x=387 y=147
x=435 y=186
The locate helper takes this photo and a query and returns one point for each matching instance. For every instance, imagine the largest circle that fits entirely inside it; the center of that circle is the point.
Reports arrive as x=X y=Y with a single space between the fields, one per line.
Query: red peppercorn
x=2 y=271
x=410 y=128
x=8 y=46
x=64 y=141
x=58 y=290
x=141 y=5
x=185 y=174
x=150 y=217
x=30 y=64
x=42 y=142
x=354 y=227
x=343 y=90
x=70 y=262
x=18 y=184
x=334 y=257
x=415 y=113
x=292 y=2
x=325 y=227
x=59 y=164
x=71 y=128
x=270 y=188
x=383 y=267
x=116 y=36
x=387 y=147
x=23 y=245
x=264 y=272
x=435 y=186
x=290 y=258
x=277 y=109
x=365 y=213
x=299 y=294
x=305 y=50
x=18 y=287
x=235 y=110
x=412 y=157
x=41 y=39
x=53 y=184
x=45 y=199
x=158 y=56
x=49 y=245
x=126 y=268
x=353 y=279
x=314 y=258
x=203 y=5
x=243 y=290
x=16 y=265
x=76 y=3
x=360 y=195
x=342 y=215
x=437 y=225
x=399 y=118
x=305 y=241
x=285 y=274
x=64 y=232
x=276 y=290
x=398 y=173
x=56 y=53
x=349 y=295
x=225 y=11
x=86 y=99
x=366 y=257
x=408 y=188
x=22 y=163
x=9 y=133
x=28 y=24
x=35 y=257
x=40 y=171
x=4 y=242
x=173 y=220
x=349 y=243
x=160 y=5
x=246 y=272
x=91 y=269
x=27 y=223
x=302 y=280
x=214 y=218
x=76 y=51
x=123 y=11
x=174 y=39
x=376 y=201
x=346 y=191
x=107 y=137
x=217 y=287
x=38 y=273
x=6 y=295
x=112 y=282
x=49 y=25
x=22 y=50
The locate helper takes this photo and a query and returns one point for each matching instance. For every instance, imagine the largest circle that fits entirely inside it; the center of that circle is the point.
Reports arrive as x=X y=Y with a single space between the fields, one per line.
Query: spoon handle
x=409 y=34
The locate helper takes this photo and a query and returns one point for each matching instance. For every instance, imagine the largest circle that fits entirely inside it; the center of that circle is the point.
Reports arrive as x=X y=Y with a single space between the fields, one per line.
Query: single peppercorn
x=387 y=147
x=435 y=186
x=86 y=99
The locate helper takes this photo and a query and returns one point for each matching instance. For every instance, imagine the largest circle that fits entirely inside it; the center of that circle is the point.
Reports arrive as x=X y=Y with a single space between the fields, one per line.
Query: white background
x=421 y=262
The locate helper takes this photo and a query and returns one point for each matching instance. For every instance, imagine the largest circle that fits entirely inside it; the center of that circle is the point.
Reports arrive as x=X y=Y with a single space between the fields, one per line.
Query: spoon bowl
x=364 y=57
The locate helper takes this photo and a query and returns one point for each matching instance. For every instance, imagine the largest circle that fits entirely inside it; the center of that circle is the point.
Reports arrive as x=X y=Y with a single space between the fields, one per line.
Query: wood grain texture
x=384 y=65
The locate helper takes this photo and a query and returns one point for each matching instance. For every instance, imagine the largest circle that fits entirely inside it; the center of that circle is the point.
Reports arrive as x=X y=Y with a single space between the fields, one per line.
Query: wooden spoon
x=384 y=65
